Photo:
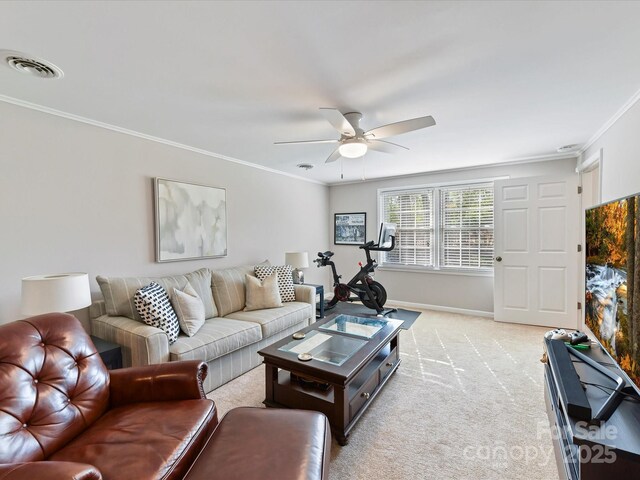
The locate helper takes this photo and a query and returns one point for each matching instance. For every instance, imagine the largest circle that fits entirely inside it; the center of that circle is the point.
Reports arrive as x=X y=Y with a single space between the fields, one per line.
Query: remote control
x=557 y=334
x=578 y=337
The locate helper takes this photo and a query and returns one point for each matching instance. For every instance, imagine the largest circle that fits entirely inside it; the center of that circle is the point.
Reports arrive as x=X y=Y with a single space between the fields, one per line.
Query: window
x=466 y=226
x=412 y=212
x=445 y=228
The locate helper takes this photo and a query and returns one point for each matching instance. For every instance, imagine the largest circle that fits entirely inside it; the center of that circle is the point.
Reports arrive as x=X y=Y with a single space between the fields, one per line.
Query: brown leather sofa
x=64 y=415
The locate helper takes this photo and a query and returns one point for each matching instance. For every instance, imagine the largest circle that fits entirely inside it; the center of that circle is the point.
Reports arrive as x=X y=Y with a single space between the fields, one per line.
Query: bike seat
x=325 y=255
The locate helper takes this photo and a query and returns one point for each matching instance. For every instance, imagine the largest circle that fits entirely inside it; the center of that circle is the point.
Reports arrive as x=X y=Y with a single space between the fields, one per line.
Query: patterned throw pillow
x=153 y=306
x=189 y=309
x=285 y=279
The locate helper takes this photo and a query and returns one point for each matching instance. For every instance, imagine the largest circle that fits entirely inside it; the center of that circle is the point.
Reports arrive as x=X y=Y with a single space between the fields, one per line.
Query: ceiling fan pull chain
x=341 y=171
x=363 y=175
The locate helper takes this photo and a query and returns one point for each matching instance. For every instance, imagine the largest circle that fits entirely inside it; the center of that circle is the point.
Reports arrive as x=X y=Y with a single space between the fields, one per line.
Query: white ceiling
x=504 y=80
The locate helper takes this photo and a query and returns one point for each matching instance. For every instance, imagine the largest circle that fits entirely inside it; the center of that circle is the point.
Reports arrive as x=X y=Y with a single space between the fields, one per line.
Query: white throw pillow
x=285 y=279
x=154 y=307
x=189 y=308
x=262 y=294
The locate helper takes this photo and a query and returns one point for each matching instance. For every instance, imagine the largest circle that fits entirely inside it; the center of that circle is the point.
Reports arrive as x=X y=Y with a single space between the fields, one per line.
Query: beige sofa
x=228 y=341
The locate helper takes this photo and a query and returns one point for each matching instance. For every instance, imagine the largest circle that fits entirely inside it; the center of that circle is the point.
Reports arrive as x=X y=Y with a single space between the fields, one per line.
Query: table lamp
x=63 y=292
x=297 y=260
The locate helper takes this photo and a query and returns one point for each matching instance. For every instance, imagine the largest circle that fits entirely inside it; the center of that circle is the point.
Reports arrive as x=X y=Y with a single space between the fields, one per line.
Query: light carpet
x=466 y=403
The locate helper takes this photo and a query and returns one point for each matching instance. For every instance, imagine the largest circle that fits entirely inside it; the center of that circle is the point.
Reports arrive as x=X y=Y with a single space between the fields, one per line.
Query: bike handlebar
x=324 y=257
x=377 y=248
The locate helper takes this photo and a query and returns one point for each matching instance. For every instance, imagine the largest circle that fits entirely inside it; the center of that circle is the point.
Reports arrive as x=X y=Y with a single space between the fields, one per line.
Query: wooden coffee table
x=352 y=359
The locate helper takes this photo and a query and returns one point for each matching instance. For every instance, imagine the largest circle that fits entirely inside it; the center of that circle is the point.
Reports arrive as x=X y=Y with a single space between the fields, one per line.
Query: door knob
x=498 y=259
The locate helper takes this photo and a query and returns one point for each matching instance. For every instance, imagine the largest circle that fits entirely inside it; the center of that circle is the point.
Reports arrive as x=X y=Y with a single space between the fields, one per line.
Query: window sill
x=437 y=271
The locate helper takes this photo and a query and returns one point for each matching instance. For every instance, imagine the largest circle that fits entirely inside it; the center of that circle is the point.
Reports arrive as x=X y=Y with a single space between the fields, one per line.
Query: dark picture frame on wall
x=349 y=228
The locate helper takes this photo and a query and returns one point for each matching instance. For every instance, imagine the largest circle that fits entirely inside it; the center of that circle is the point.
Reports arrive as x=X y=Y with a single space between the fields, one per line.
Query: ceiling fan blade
x=402 y=127
x=334 y=156
x=305 y=141
x=338 y=121
x=384 y=146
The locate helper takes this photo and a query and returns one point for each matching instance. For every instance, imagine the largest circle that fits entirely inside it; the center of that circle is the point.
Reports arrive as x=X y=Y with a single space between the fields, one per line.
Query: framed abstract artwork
x=191 y=221
x=350 y=228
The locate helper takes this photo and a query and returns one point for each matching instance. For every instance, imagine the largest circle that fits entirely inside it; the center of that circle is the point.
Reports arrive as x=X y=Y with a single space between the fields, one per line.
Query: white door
x=537 y=222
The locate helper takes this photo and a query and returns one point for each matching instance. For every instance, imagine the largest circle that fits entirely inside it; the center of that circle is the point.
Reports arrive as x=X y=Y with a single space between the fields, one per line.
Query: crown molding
x=515 y=161
x=538 y=158
x=133 y=133
x=609 y=123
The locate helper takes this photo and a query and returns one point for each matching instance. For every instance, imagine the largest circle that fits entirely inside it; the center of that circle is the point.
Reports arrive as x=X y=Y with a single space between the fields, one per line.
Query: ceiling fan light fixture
x=352 y=149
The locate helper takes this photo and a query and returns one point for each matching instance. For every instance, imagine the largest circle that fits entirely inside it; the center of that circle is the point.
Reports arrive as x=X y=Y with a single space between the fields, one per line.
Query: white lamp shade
x=297 y=259
x=64 y=292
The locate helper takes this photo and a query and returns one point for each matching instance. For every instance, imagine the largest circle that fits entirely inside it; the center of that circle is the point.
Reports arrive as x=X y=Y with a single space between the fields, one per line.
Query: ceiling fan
x=355 y=142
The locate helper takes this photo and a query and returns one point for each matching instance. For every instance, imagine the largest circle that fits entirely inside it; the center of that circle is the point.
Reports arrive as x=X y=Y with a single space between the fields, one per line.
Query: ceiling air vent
x=567 y=148
x=31 y=65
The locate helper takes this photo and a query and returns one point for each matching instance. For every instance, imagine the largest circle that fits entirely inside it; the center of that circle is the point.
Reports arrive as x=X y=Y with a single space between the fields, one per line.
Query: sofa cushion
x=217 y=337
x=285 y=279
x=189 y=308
x=118 y=291
x=274 y=320
x=144 y=440
x=153 y=306
x=229 y=289
x=262 y=293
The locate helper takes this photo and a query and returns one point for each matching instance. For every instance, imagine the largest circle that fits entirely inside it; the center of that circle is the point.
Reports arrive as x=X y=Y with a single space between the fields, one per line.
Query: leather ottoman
x=263 y=444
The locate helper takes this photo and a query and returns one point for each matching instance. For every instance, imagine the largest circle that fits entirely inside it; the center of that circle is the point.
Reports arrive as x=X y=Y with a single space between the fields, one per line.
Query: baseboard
x=440 y=308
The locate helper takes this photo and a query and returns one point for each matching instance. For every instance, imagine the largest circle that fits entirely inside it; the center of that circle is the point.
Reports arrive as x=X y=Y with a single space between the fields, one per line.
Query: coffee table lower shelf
x=342 y=404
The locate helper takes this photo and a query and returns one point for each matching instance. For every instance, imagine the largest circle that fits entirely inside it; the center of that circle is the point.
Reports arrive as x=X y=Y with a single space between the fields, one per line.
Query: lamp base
x=298 y=276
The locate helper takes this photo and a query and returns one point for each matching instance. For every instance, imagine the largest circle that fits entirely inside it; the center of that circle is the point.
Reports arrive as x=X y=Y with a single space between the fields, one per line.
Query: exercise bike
x=371 y=293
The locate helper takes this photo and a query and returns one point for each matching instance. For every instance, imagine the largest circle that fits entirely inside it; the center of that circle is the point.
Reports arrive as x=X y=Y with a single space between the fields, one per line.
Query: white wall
x=74 y=197
x=620 y=145
x=464 y=292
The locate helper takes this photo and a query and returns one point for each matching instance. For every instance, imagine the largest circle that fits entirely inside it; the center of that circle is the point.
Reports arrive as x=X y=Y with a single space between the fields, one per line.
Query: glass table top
x=360 y=327
x=333 y=349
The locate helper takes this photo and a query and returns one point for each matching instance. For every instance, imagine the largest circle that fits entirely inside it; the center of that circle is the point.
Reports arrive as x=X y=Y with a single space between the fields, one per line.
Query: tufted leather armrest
x=49 y=470
x=158 y=383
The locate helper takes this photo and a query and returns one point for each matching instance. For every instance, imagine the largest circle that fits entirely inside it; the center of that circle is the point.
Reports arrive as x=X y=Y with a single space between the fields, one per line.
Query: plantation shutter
x=466 y=226
x=413 y=213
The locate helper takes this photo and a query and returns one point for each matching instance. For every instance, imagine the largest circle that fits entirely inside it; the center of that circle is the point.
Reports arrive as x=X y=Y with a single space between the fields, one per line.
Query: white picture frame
x=191 y=221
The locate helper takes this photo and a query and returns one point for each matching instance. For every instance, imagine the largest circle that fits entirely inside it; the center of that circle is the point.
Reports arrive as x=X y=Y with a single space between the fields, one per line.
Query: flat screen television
x=612 y=297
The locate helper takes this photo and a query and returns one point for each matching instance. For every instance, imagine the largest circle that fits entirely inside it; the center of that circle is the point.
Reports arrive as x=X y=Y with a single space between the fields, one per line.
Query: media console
x=591 y=449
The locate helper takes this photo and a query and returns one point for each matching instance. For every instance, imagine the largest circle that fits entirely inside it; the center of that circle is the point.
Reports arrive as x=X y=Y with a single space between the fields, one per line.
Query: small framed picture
x=350 y=228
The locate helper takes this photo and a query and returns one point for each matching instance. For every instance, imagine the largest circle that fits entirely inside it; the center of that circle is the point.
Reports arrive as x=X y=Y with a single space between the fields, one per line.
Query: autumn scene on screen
x=612 y=310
